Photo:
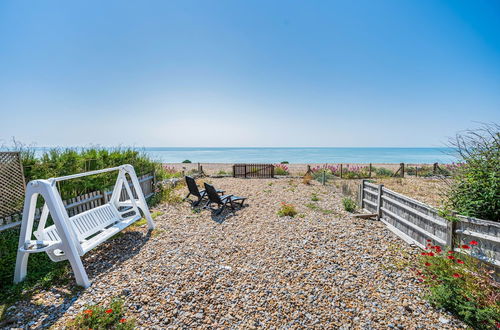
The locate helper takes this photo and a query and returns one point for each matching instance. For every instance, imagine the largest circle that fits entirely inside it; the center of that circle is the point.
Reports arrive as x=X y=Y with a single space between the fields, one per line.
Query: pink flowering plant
x=460 y=284
x=281 y=169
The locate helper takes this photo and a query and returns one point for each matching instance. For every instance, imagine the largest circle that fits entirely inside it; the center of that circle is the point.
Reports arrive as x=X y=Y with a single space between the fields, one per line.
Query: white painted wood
x=71 y=237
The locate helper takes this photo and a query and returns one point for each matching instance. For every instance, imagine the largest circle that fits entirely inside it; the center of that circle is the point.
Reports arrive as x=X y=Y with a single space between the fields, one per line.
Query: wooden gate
x=253 y=171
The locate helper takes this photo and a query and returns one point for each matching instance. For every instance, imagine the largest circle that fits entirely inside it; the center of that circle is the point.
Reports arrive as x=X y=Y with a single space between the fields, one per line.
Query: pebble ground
x=251 y=268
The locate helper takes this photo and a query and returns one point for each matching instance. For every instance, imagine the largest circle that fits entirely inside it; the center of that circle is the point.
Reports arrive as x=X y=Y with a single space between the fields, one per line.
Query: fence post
x=379 y=201
x=450 y=231
x=402 y=170
x=362 y=194
x=370 y=173
x=324 y=176
x=234 y=171
x=434 y=169
x=341 y=171
x=416 y=171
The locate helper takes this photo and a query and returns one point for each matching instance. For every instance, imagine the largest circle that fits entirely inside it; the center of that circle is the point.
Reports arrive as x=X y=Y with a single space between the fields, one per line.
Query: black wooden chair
x=221 y=201
x=193 y=190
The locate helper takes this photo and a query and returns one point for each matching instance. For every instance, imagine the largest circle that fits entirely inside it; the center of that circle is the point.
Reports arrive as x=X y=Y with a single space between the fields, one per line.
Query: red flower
x=427 y=264
x=109 y=311
x=457 y=275
x=430 y=254
x=451 y=252
x=420 y=280
x=429 y=240
x=460 y=261
x=423 y=253
x=473 y=243
x=429 y=244
x=87 y=312
x=123 y=320
x=465 y=246
x=451 y=257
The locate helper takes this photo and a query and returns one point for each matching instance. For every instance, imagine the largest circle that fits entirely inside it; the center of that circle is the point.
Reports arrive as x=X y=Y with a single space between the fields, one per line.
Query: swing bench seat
x=91 y=227
x=69 y=238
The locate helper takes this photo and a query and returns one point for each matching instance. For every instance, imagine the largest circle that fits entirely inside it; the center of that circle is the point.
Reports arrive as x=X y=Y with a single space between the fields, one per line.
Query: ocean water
x=303 y=155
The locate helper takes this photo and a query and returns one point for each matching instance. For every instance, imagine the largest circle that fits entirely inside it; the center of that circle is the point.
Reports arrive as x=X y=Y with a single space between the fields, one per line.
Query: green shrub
x=458 y=283
x=285 y=162
x=187 y=161
x=318 y=175
x=57 y=162
x=349 y=204
x=383 y=172
x=476 y=185
x=103 y=317
x=314 y=197
x=222 y=172
x=287 y=210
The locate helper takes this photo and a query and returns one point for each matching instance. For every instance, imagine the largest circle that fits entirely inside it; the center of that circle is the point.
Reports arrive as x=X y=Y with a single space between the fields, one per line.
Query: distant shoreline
x=294 y=168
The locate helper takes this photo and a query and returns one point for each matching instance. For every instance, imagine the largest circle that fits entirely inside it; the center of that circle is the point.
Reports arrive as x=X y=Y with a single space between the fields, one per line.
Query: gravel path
x=253 y=268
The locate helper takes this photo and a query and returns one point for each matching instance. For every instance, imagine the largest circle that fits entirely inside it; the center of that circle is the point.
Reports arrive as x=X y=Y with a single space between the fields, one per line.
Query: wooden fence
x=416 y=222
x=85 y=202
x=253 y=171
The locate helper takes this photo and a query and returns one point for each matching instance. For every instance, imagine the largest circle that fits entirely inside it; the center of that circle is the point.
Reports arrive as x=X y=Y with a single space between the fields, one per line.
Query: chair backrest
x=93 y=221
x=193 y=188
x=212 y=194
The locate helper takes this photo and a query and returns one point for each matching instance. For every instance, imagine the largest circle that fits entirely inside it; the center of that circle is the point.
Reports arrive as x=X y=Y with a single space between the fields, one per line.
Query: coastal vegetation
x=460 y=284
x=475 y=189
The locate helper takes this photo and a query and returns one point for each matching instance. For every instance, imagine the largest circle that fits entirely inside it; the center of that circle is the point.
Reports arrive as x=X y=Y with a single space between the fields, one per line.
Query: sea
x=303 y=155
x=309 y=155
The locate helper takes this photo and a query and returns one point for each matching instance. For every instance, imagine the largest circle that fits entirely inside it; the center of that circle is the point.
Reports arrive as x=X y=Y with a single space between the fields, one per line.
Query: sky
x=363 y=73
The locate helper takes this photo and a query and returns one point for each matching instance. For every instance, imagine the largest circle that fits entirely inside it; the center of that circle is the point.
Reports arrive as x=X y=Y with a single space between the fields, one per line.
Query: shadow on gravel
x=226 y=214
x=110 y=254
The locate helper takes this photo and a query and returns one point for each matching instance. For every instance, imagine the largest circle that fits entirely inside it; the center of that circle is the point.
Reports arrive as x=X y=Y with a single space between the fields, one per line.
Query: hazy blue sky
x=247 y=73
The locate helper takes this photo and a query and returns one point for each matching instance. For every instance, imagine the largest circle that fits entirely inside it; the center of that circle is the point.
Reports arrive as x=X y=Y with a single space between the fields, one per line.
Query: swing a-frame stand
x=69 y=238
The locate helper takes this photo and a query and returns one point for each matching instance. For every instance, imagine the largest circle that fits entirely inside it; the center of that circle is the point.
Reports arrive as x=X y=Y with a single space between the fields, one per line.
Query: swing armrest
x=39 y=246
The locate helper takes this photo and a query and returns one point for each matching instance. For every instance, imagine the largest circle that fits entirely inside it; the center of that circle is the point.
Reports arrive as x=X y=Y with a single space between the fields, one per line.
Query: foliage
x=382 y=172
x=476 y=185
x=57 y=162
x=42 y=272
x=349 y=204
x=166 y=193
x=422 y=171
x=166 y=172
x=355 y=172
x=287 y=210
x=461 y=285
x=280 y=169
x=314 y=197
x=285 y=162
x=222 y=172
x=322 y=173
x=103 y=317
x=187 y=161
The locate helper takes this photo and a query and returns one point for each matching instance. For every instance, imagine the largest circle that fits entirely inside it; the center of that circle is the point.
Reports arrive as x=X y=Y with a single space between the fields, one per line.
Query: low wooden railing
x=416 y=222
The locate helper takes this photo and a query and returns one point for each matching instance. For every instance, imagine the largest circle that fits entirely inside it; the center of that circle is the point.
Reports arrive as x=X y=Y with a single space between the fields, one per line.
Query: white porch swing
x=69 y=238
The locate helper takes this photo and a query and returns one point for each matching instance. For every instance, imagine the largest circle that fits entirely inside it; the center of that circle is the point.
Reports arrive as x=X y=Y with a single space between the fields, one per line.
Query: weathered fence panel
x=12 y=188
x=486 y=233
x=85 y=202
x=253 y=170
x=416 y=222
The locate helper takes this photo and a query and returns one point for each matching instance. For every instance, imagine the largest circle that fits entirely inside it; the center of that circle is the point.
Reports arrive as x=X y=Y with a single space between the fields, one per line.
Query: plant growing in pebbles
x=103 y=317
x=287 y=210
x=461 y=285
x=349 y=204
